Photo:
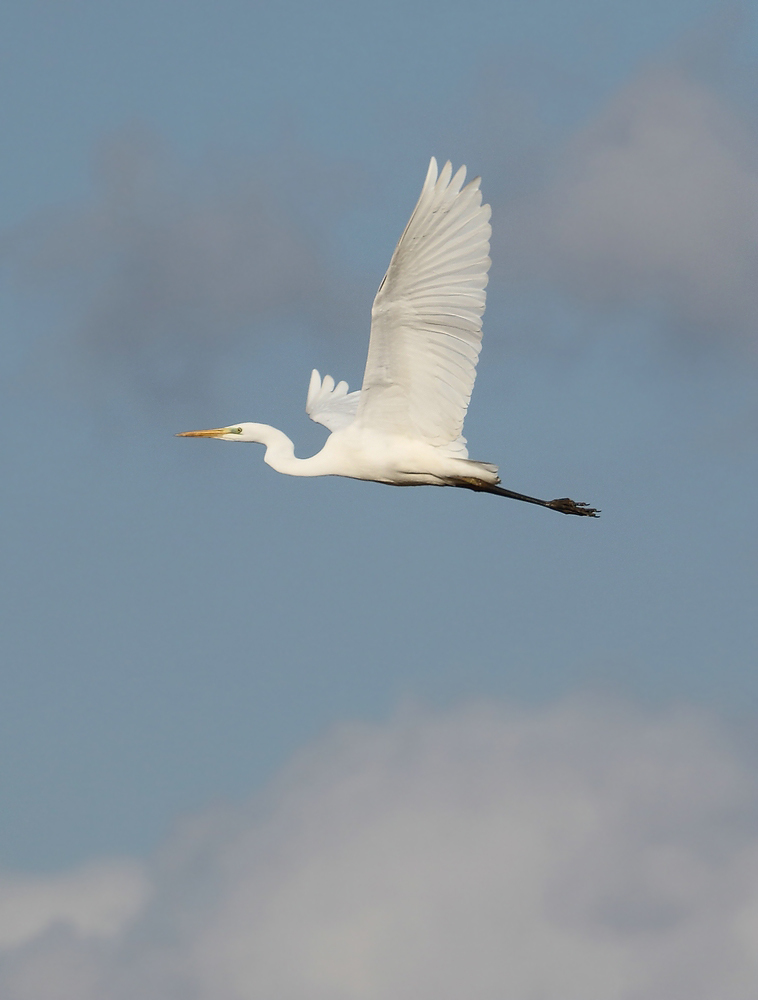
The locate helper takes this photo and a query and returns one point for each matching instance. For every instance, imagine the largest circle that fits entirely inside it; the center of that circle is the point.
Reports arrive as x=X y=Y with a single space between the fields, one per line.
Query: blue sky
x=199 y=203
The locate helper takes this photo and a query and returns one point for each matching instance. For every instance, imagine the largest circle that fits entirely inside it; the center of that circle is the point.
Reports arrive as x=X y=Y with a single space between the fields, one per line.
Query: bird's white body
x=362 y=453
x=405 y=425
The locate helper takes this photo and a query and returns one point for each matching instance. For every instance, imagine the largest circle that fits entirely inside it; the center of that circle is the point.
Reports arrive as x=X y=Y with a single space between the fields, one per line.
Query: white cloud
x=582 y=852
x=655 y=202
x=95 y=900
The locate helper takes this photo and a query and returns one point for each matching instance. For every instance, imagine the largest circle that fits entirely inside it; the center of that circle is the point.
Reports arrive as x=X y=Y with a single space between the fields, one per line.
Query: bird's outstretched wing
x=426 y=322
x=330 y=404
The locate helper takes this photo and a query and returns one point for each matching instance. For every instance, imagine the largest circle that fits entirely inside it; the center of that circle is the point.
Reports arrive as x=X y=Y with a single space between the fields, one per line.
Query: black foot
x=566 y=506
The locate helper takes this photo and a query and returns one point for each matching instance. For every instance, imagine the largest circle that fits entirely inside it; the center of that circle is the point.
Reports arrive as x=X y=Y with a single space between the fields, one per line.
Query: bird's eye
x=236 y=430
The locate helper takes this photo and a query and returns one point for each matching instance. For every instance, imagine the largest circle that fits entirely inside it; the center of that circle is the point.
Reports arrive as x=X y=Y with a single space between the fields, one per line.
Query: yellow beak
x=213 y=433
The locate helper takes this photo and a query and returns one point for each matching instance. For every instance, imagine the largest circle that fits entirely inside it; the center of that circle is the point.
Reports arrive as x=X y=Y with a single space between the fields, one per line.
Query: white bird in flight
x=404 y=427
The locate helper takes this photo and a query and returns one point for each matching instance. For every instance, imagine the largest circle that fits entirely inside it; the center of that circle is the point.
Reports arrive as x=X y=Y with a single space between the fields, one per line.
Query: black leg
x=563 y=505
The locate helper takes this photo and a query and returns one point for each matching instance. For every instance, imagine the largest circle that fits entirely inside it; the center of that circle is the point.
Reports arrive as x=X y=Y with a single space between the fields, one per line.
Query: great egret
x=405 y=425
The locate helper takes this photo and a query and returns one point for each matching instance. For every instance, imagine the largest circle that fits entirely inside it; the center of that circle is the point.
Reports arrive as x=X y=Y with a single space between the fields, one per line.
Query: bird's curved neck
x=280 y=452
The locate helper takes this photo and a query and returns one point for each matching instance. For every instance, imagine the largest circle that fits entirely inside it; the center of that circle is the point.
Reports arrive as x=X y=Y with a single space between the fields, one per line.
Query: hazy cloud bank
x=582 y=852
x=653 y=204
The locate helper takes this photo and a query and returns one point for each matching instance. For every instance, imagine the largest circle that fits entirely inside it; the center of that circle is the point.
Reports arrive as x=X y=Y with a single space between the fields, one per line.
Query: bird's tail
x=484 y=472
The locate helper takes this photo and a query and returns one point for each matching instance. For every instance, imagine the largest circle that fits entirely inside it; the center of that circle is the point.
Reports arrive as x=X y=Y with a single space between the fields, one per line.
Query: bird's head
x=235 y=432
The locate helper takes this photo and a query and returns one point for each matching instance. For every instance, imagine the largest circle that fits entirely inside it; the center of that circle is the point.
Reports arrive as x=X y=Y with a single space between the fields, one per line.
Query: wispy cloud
x=653 y=204
x=162 y=268
x=582 y=852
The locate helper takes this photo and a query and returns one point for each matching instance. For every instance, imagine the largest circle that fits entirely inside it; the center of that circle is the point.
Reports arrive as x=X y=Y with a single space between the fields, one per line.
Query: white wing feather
x=330 y=404
x=426 y=322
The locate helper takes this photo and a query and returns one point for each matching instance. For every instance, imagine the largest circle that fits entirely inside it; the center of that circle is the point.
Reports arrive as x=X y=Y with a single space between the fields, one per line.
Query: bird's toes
x=567 y=506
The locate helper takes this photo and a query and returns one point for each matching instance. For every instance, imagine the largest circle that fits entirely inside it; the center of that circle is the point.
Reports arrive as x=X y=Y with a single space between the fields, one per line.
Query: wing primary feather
x=426 y=319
